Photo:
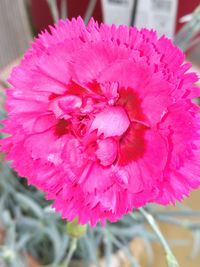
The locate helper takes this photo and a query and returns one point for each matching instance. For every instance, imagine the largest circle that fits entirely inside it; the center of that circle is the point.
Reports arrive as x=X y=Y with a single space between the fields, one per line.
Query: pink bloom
x=101 y=119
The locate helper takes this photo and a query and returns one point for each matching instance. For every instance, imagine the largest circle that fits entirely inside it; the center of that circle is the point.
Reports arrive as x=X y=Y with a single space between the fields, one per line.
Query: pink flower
x=101 y=119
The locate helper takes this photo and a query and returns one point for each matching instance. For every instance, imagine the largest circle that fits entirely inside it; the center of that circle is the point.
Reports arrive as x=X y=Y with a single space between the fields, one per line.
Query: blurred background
x=20 y=20
x=31 y=234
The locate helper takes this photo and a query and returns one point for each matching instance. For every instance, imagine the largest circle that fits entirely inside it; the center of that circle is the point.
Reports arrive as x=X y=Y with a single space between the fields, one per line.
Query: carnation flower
x=101 y=119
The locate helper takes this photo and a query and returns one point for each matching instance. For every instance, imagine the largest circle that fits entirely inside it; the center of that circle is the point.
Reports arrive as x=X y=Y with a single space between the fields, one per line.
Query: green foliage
x=29 y=224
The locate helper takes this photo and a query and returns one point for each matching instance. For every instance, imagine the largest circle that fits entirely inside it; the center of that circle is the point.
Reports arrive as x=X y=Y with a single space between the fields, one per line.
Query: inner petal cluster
x=110 y=128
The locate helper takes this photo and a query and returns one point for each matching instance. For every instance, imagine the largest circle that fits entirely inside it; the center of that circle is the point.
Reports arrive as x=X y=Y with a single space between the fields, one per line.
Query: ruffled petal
x=107 y=151
x=116 y=117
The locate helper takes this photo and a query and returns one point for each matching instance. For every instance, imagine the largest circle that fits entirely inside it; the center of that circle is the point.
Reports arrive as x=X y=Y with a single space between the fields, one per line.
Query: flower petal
x=107 y=151
x=114 y=117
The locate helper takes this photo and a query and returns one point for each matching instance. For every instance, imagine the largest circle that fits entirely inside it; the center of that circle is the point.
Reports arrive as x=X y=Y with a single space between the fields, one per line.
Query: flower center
x=111 y=132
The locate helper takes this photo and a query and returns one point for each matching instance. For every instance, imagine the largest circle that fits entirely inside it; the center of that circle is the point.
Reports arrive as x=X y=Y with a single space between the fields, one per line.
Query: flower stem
x=72 y=249
x=171 y=259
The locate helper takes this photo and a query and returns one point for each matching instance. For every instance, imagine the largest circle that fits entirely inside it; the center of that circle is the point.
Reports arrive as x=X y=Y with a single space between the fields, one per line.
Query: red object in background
x=185 y=7
x=42 y=17
x=41 y=14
